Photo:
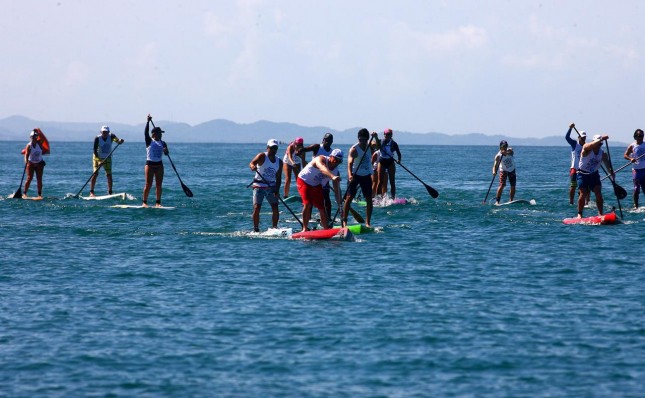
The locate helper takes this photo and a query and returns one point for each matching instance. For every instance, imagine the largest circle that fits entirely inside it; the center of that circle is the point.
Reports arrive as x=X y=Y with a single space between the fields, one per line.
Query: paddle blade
x=433 y=192
x=357 y=216
x=620 y=192
x=187 y=190
x=18 y=193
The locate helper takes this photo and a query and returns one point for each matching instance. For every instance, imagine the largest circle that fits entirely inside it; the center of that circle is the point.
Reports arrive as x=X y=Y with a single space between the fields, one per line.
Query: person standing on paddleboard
x=155 y=149
x=633 y=153
x=266 y=183
x=310 y=181
x=102 y=148
x=576 y=149
x=588 y=175
x=505 y=161
x=323 y=148
x=35 y=162
x=359 y=172
x=294 y=161
x=386 y=167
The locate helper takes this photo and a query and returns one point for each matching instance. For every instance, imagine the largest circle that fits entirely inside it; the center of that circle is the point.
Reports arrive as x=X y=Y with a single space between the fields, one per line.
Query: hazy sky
x=520 y=68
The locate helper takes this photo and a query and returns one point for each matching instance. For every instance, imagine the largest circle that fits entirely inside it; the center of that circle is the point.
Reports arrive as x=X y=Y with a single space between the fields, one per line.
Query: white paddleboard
x=275 y=233
x=103 y=197
x=531 y=202
x=142 y=207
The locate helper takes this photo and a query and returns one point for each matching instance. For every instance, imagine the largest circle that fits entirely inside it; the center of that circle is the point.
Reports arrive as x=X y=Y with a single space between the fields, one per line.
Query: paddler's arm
x=350 y=164
x=257 y=161
x=165 y=147
x=116 y=139
x=146 y=133
x=96 y=147
x=628 y=153
x=278 y=178
x=396 y=149
x=496 y=163
x=336 y=182
x=27 y=151
x=377 y=142
x=567 y=136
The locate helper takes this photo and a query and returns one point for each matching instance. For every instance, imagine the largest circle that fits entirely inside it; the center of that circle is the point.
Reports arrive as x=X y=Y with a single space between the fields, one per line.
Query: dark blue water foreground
x=449 y=298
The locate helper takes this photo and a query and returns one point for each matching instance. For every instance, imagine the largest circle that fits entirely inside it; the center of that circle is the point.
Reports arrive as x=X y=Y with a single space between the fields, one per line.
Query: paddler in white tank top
x=576 y=149
x=359 y=172
x=102 y=149
x=310 y=181
x=323 y=148
x=155 y=149
x=266 y=182
x=633 y=154
x=34 y=163
x=588 y=176
x=505 y=162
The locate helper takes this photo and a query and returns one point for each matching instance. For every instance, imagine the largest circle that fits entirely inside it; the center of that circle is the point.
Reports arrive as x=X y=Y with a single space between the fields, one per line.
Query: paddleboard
x=32 y=197
x=531 y=202
x=358 y=229
x=606 y=219
x=293 y=199
x=103 y=197
x=384 y=202
x=142 y=207
x=275 y=233
x=332 y=233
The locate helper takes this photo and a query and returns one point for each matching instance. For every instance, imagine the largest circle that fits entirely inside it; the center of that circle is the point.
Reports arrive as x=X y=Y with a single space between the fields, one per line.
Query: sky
x=518 y=68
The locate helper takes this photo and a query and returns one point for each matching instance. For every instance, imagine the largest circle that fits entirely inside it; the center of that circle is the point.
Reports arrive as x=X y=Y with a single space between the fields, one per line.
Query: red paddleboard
x=42 y=141
x=332 y=233
x=609 y=218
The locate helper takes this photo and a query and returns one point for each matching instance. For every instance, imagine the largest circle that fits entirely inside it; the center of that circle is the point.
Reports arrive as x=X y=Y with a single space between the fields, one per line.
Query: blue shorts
x=588 y=181
x=639 y=179
x=260 y=193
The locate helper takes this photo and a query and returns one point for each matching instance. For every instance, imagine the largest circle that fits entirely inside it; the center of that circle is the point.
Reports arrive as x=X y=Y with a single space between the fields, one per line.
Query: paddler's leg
x=109 y=183
x=149 y=173
x=392 y=174
x=274 y=207
x=39 y=178
x=257 y=205
x=599 y=200
x=367 y=193
x=107 y=165
x=30 y=176
x=502 y=184
x=158 y=183
x=286 y=170
x=306 y=215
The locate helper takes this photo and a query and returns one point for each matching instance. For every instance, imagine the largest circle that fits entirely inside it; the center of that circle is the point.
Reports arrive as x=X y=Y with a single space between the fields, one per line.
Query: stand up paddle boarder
x=576 y=149
x=634 y=153
x=266 y=183
x=386 y=167
x=359 y=172
x=102 y=149
x=35 y=162
x=310 y=181
x=155 y=149
x=323 y=148
x=505 y=163
x=588 y=176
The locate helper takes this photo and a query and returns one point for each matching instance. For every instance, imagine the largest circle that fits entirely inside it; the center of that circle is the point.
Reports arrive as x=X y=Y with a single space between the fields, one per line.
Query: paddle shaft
x=357 y=216
x=96 y=171
x=613 y=179
x=620 y=168
x=187 y=190
x=333 y=220
x=18 y=193
x=283 y=202
x=493 y=179
x=433 y=192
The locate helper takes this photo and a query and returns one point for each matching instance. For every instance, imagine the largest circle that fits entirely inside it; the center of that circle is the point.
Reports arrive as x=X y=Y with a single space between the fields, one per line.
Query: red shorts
x=309 y=194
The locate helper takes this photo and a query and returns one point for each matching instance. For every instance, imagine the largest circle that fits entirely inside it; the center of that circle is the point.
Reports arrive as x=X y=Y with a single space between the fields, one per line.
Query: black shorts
x=365 y=183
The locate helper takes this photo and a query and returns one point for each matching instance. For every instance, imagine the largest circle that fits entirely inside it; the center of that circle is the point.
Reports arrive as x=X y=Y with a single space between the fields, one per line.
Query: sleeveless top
x=575 y=156
x=36 y=154
x=590 y=163
x=268 y=171
x=386 y=150
x=364 y=168
x=154 y=151
x=378 y=157
x=507 y=164
x=313 y=176
x=323 y=151
x=105 y=146
x=638 y=150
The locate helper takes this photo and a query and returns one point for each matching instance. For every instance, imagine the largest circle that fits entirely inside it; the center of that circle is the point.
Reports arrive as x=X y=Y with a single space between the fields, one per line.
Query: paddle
x=613 y=181
x=96 y=171
x=18 y=193
x=620 y=168
x=333 y=220
x=492 y=179
x=433 y=192
x=357 y=216
x=187 y=190
x=283 y=202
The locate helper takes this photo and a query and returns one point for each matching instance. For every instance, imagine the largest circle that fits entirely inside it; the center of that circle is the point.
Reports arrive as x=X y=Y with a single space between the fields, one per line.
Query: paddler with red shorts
x=310 y=182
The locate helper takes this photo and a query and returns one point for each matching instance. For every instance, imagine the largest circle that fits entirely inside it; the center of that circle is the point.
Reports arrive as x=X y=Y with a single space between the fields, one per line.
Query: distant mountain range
x=17 y=128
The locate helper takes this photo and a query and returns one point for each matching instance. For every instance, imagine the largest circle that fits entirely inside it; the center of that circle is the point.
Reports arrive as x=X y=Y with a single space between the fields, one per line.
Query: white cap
x=272 y=142
x=583 y=134
x=597 y=137
x=105 y=129
x=337 y=153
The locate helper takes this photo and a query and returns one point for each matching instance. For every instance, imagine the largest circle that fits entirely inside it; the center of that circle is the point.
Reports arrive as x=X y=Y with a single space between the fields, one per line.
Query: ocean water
x=450 y=297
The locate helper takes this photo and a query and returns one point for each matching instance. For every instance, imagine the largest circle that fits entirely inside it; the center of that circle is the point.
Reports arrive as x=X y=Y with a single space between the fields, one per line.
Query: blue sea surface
x=449 y=297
